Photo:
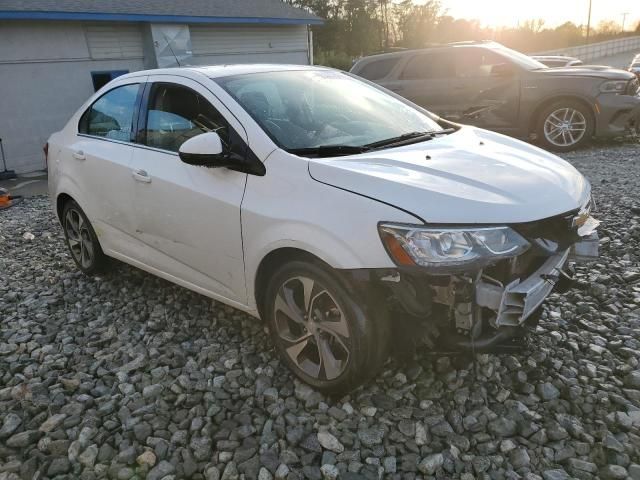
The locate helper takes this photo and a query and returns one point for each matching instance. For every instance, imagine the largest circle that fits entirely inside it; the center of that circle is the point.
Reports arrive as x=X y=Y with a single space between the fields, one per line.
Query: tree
x=417 y=23
x=360 y=27
x=607 y=28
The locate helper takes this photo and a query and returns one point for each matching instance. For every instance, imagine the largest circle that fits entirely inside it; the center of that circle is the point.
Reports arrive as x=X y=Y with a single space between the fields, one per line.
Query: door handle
x=79 y=155
x=141 y=176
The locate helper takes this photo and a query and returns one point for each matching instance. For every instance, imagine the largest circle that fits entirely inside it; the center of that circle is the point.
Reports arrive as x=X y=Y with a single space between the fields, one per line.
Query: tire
x=337 y=347
x=565 y=125
x=82 y=240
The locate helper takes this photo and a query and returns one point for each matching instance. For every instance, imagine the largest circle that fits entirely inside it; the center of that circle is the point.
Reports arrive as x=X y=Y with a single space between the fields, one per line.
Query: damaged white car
x=338 y=212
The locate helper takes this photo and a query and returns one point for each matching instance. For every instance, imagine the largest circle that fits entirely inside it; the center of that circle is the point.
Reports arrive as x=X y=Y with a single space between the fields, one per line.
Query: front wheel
x=322 y=330
x=565 y=125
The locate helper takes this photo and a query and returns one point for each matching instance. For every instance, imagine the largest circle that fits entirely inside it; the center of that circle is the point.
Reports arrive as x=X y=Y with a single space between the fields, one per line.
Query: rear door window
x=111 y=116
x=378 y=69
x=477 y=62
x=428 y=66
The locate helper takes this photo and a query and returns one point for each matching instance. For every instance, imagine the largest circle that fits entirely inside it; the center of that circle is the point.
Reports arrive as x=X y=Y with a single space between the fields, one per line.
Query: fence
x=598 y=50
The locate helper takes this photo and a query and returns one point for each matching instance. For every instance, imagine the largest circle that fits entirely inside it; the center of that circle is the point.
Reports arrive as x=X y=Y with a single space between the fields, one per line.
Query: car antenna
x=172 y=52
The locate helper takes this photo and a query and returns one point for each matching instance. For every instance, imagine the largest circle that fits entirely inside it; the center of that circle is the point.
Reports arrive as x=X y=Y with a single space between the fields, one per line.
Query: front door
x=425 y=79
x=487 y=88
x=189 y=216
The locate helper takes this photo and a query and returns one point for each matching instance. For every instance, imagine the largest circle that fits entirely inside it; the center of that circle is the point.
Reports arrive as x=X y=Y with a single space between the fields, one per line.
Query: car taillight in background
x=45 y=149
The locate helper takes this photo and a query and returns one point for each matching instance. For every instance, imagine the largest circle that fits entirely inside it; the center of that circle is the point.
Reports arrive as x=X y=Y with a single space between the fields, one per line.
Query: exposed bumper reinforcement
x=519 y=299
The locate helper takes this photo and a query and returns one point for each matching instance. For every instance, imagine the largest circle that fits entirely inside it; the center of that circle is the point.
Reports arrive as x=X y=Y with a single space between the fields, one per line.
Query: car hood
x=596 y=71
x=471 y=176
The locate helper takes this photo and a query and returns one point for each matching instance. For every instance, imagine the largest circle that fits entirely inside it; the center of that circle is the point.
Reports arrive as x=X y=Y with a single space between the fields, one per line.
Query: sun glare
x=495 y=13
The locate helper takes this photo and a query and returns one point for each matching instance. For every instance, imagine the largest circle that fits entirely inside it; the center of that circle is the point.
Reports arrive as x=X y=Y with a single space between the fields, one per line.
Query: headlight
x=450 y=248
x=613 y=86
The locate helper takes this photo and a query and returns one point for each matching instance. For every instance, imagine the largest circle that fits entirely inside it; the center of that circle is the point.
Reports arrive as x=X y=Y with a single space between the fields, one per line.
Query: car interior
x=177 y=114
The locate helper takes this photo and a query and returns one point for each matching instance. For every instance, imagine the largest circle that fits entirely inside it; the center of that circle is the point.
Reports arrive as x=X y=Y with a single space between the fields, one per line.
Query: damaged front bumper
x=487 y=310
x=617 y=115
x=515 y=302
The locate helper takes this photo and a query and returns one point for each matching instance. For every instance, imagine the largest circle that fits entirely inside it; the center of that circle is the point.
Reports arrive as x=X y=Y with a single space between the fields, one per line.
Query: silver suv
x=491 y=86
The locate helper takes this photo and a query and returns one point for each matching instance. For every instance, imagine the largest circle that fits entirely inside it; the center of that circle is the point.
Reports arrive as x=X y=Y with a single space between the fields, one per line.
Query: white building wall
x=45 y=68
x=213 y=44
x=45 y=75
x=106 y=40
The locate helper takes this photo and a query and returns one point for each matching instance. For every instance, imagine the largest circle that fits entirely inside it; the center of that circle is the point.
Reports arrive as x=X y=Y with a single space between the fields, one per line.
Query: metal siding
x=216 y=40
x=160 y=10
x=55 y=90
x=114 y=41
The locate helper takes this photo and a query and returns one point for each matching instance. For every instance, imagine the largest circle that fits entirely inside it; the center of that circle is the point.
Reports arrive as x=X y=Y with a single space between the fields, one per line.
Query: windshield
x=518 y=58
x=306 y=109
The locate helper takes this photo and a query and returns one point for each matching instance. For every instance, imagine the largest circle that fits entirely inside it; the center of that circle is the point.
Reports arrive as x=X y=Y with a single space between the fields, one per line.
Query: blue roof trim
x=126 y=17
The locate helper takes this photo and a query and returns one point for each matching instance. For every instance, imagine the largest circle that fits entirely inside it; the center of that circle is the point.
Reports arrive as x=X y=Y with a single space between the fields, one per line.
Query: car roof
x=217 y=71
x=443 y=46
x=553 y=57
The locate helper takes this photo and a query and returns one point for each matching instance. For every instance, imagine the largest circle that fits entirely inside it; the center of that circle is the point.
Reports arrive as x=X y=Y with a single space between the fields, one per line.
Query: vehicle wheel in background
x=565 y=125
x=82 y=240
x=322 y=330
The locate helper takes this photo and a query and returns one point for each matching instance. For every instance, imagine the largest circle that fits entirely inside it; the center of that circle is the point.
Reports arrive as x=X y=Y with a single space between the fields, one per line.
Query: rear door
x=99 y=163
x=487 y=87
x=426 y=79
x=187 y=216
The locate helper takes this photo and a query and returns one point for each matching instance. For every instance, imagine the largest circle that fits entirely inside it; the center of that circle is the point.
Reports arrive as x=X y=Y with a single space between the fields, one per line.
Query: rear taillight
x=45 y=149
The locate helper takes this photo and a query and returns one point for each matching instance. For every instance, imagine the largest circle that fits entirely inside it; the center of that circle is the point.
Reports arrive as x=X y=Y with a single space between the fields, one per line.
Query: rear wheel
x=565 y=125
x=321 y=328
x=82 y=240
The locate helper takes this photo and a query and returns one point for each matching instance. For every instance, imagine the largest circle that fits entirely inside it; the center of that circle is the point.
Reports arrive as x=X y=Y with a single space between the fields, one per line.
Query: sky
x=554 y=12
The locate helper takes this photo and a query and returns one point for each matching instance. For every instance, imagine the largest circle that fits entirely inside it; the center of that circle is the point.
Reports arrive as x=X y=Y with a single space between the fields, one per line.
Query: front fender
x=288 y=209
x=325 y=245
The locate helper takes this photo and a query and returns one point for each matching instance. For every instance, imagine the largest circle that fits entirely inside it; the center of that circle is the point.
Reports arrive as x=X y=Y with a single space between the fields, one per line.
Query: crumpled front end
x=619 y=114
x=492 y=308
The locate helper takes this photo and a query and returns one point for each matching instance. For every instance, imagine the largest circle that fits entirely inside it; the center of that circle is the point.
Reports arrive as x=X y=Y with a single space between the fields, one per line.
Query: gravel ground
x=128 y=376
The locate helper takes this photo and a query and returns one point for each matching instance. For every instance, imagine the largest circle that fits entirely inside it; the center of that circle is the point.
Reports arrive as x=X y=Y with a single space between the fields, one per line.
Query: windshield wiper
x=337 y=150
x=408 y=138
x=328 y=150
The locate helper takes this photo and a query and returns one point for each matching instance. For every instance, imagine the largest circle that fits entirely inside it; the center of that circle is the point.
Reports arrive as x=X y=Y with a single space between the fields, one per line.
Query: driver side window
x=476 y=62
x=177 y=113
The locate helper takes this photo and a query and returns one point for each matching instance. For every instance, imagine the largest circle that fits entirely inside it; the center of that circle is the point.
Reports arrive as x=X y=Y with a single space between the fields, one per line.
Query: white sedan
x=341 y=214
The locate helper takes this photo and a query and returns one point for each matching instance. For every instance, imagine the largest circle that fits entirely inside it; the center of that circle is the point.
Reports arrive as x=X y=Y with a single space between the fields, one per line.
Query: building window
x=100 y=79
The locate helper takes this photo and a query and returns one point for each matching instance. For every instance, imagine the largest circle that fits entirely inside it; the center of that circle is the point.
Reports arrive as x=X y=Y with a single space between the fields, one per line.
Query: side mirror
x=502 y=70
x=206 y=150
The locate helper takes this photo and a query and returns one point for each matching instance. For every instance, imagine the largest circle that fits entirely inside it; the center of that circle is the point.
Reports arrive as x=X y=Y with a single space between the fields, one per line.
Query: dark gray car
x=490 y=86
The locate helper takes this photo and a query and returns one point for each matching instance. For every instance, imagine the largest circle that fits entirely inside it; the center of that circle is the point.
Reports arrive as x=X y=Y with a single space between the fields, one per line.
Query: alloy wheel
x=565 y=127
x=79 y=238
x=312 y=327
